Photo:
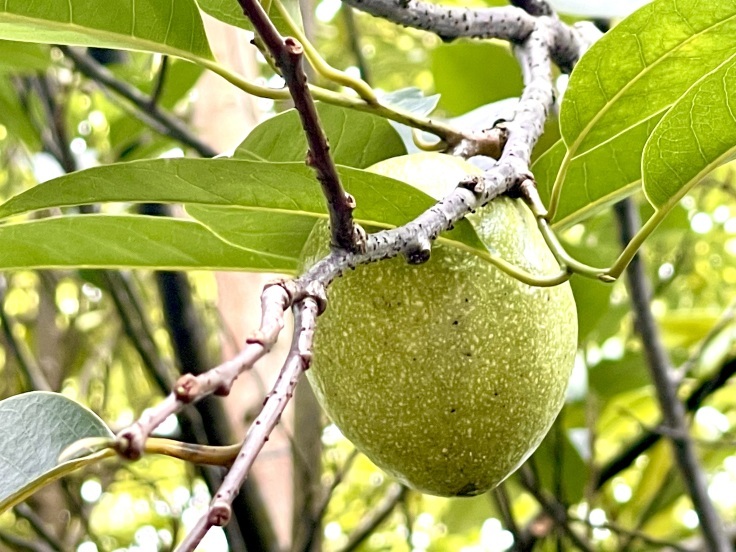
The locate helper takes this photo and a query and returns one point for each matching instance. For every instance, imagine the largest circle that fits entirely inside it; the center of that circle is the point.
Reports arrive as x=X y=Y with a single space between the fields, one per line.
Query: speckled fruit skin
x=449 y=374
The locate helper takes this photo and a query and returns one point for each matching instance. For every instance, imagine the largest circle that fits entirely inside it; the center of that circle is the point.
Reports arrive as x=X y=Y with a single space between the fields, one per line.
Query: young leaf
x=173 y=28
x=356 y=139
x=697 y=135
x=35 y=428
x=627 y=81
x=124 y=241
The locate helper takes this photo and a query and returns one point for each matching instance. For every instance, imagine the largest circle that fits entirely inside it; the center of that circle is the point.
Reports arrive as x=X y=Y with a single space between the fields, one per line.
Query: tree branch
x=368 y=524
x=673 y=411
x=190 y=388
x=287 y=54
x=169 y=125
x=298 y=360
x=505 y=23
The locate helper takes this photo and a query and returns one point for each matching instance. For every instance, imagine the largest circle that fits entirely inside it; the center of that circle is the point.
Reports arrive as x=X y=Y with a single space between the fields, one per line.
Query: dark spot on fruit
x=455 y=322
x=470 y=489
x=468 y=354
x=452 y=411
x=466 y=299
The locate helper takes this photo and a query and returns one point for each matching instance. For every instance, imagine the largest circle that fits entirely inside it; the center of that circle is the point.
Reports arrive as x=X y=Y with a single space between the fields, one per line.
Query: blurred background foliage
x=104 y=338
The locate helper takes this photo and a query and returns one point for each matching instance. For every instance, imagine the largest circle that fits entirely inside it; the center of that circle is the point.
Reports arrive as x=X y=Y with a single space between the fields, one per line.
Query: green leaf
x=125 y=241
x=411 y=99
x=22 y=57
x=34 y=429
x=16 y=118
x=625 y=83
x=173 y=28
x=356 y=139
x=230 y=12
x=462 y=71
x=697 y=135
x=289 y=188
x=613 y=377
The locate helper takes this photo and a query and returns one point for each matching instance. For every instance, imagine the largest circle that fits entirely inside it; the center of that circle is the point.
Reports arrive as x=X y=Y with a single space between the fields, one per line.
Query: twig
x=505 y=23
x=631 y=534
x=368 y=524
x=172 y=126
x=298 y=360
x=39 y=526
x=158 y=85
x=673 y=411
x=353 y=36
x=190 y=388
x=31 y=371
x=644 y=442
x=287 y=54
x=556 y=510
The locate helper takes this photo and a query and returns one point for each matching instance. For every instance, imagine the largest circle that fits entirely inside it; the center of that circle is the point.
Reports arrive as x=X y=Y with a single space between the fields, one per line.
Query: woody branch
x=538 y=41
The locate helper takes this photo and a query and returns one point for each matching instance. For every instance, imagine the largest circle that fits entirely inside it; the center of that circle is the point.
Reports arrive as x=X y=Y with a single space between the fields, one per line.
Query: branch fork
x=538 y=38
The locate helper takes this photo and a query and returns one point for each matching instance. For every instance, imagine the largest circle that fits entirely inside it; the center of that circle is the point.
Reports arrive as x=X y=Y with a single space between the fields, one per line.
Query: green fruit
x=448 y=374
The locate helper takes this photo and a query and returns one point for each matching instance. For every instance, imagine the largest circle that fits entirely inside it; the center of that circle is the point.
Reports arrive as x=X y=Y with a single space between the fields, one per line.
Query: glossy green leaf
x=126 y=241
x=173 y=28
x=34 y=429
x=694 y=137
x=462 y=71
x=280 y=189
x=625 y=83
x=356 y=139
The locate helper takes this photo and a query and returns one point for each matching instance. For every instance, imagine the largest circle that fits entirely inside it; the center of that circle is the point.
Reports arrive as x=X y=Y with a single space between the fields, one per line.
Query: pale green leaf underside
x=148 y=25
x=34 y=428
x=697 y=135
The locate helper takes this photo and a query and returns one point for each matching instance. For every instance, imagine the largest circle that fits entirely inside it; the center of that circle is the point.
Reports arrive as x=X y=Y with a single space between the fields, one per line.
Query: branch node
x=129 y=444
x=187 y=388
x=219 y=514
x=421 y=253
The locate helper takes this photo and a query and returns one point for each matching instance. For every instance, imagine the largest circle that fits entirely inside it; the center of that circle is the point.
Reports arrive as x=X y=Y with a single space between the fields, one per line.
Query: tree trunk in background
x=223 y=117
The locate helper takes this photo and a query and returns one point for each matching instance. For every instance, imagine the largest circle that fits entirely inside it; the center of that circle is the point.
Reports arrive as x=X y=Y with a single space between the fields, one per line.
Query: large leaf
x=124 y=241
x=356 y=139
x=34 y=428
x=693 y=138
x=249 y=193
x=627 y=81
x=149 y=25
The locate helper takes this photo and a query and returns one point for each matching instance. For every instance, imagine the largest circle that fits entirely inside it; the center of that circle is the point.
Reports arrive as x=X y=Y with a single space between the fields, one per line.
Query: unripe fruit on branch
x=448 y=374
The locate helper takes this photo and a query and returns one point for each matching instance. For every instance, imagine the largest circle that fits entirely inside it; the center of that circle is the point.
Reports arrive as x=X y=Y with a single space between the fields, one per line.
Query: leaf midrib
x=606 y=108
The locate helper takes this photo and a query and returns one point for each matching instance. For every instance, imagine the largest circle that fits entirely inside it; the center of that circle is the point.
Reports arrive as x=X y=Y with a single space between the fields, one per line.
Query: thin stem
x=368 y=525
x=298 y=360
x=673 y=410
x=353 y=36
x=555 y=509
x=158 y=86
x=363 y=89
